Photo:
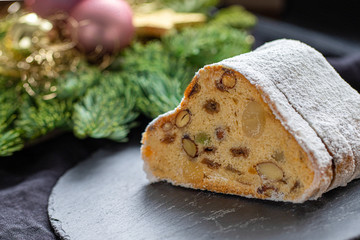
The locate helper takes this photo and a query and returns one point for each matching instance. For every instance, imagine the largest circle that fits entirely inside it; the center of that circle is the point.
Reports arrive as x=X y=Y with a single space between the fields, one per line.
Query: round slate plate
x=108 y=197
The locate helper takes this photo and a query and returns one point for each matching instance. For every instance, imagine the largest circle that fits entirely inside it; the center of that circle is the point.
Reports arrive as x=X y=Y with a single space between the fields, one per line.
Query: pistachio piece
x=278 y=156
x=203 y=138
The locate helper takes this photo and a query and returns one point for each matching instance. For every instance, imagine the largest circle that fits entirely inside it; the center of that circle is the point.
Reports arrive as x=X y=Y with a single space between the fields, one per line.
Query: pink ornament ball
x=104 y=25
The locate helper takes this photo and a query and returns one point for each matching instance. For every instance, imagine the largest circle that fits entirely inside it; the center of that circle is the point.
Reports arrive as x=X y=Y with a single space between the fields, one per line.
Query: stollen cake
x=277 y=123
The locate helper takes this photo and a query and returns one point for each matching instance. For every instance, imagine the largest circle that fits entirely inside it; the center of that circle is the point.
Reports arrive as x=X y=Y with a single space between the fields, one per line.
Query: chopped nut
x=203 y=138
x=210 y=149
x=195 y=89
x=211 y=164
x=253 y=120
x=232 y=169
x=168 y=138
x=220 y=133
x=228 y=79
x=278 y=156
x=211 y=106
x=270 y=171
x=240 y=152
x=182 y=118
x=266 y=190
x=189 y=146
x=167 y=126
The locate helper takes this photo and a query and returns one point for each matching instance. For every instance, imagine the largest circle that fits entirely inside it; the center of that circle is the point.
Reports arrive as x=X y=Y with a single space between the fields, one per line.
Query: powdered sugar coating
x=296 y=76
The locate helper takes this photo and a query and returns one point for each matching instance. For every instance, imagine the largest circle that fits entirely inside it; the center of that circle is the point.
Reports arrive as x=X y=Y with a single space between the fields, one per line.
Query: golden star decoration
x=160 y=22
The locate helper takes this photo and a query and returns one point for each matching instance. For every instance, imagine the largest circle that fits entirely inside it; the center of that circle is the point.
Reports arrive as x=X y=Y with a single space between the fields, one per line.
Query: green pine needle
x=234 y=16
x=10 y=140
x=148 y=78
x=107 y=110
x=161 y=77
x=210 y=44
x=38 y=117
x=72 y=85
x=189 y=5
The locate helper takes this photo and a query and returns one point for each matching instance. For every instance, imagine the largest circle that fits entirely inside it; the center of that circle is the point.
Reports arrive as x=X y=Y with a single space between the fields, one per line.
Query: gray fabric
x=26 y=180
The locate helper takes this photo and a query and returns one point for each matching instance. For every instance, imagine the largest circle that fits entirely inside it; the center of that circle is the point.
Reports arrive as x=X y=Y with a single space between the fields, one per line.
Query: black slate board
x=108 y=197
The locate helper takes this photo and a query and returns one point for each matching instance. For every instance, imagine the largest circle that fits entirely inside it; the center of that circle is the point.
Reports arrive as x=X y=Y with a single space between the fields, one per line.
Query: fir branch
x=7 y=82
x=189 y=5
x=73 y=85
x=38 y=117
x=9 y=105
x=10 y=140
x=107 y=110
x=210 y=44
x=162 y=77
x=234 y=16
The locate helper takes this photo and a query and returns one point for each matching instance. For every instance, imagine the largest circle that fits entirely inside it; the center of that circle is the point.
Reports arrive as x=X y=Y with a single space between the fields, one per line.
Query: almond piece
x=189 y=147
x=270 y=171
x=182 y=118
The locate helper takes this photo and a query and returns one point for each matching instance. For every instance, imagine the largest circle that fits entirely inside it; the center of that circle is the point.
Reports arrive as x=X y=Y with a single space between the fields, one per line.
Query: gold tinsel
x=35 y=51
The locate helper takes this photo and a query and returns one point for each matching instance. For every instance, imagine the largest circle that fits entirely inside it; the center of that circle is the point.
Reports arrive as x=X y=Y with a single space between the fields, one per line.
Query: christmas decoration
x=47 y=85
x=161 y=22
x=46 y=8
x=101 y=27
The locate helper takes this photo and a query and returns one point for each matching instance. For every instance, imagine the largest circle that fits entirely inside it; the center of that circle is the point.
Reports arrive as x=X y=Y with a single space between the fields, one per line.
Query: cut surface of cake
x=277 y=123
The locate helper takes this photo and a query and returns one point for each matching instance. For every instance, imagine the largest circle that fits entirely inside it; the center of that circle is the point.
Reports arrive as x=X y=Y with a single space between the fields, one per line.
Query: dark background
x=27 y=177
